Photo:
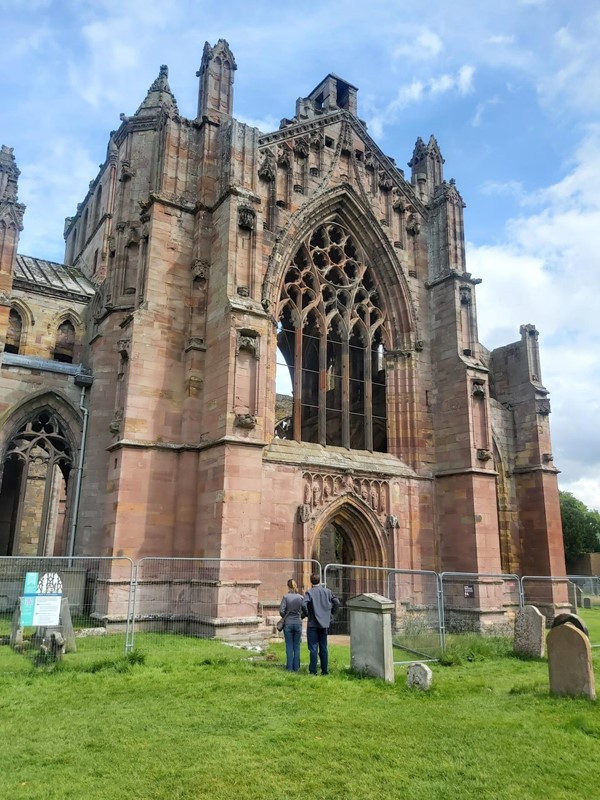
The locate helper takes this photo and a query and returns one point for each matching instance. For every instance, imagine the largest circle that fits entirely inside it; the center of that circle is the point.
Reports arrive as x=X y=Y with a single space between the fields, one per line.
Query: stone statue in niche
x=303 y=513
x=413 y=226
x=246 y=218
x=316 y=492
x=248 y=343
x=307 y=495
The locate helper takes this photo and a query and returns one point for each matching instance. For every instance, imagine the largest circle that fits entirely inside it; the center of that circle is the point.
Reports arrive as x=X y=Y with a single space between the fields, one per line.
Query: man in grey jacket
x=320 y=604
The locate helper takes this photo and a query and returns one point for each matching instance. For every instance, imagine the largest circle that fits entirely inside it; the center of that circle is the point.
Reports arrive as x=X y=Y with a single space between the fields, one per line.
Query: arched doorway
x=350 y=540
x=35 y=477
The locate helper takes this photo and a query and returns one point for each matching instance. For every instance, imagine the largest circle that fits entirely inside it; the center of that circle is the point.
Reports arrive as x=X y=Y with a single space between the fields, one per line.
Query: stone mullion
x=346 y=391
x=297 y=413
x=368 y=408
x=323 y=384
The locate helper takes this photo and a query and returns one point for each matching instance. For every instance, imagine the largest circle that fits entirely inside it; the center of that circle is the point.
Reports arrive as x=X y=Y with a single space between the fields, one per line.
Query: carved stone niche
x=413 y=226
x=247 y=421
x=246 y=218
x=465 y=295
x=248 y=342
x=478 y=389
x=200 y=269
x=267 y=170
x=123 y=347
x=542 y=407
x=483 y=454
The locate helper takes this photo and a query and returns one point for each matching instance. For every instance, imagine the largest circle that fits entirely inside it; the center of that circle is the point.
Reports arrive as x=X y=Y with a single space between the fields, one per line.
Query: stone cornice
x=180 y=447
x=452 y=275
x=34 y=288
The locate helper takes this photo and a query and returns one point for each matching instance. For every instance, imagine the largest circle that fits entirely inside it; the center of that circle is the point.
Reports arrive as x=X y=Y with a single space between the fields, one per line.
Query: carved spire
x=159 y=95
x=215 y=92
x=10 y=209
x=426 y=165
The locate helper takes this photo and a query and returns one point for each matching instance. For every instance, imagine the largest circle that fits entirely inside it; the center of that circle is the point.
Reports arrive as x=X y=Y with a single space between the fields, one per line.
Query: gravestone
x=371 y=649
x=570 y=662
x=587 y=602
x=530 y=629
x=574 y=619
x=419 y=676
x=572 y=592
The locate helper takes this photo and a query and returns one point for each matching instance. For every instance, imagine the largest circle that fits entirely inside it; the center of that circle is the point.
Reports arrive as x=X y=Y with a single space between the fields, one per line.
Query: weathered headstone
x=578 y=596
x=419 y=676
x=572 y=592
x=530 y=629
x=371 y=649
x=570 y=662
x=574 y=619
x=587 y=602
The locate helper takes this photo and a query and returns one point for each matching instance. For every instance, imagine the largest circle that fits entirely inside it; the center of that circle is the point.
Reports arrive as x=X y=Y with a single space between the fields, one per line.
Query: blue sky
x=510 y=88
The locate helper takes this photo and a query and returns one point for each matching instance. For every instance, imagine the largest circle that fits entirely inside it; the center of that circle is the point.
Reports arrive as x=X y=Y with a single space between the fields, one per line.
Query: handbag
x=280 y=623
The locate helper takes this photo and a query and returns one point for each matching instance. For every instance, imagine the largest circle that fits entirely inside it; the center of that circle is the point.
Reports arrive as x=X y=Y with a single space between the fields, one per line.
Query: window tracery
x=331 y=334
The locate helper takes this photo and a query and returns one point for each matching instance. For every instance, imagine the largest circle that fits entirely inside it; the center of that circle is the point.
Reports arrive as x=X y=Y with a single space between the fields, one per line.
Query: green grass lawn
x=199 y=719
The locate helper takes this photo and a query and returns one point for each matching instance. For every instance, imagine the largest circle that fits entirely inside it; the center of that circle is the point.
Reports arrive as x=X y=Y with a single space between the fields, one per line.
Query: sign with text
x=39 y=607
x=469 y=591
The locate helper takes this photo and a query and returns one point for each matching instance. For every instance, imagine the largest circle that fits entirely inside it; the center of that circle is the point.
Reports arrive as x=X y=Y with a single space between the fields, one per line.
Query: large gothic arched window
x=35 y=475
x=330 y=335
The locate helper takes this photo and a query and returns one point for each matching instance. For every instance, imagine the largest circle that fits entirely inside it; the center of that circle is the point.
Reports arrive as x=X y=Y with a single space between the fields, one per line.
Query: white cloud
x=481 y=109
x=547 y=271
x=424 y=46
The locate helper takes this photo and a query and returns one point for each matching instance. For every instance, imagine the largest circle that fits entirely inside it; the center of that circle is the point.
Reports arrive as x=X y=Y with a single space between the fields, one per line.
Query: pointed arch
x=362 y=527
x=343 y=204
x=39 y=442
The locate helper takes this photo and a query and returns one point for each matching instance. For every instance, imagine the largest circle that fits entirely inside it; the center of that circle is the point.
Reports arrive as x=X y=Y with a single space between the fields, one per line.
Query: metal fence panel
x=416 y=620
x=95 y=601
x=234 y=599
x=576 y=594
x=482 y=603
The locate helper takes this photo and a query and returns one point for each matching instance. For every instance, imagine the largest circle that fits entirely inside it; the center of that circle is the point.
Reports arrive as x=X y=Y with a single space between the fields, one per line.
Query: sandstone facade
x=205 y=252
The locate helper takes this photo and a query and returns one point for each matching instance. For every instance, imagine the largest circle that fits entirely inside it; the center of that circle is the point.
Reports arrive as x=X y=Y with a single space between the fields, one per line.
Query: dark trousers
x=292 y=635
x=317 y=643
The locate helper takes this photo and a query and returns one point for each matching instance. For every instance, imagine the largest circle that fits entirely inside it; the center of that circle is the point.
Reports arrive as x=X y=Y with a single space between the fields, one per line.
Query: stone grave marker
x=371 y=649
x=570 y=662
x=587 y=602
x=530 y=629
x=419 y=676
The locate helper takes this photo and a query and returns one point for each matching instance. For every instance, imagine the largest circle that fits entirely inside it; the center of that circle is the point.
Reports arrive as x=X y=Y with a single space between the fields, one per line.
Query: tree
x=581 y=527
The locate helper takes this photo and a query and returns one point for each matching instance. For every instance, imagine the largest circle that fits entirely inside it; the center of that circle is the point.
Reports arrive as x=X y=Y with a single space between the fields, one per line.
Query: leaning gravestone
x=530 y=628
x=574 y=619
x=419 y=676
x=570 y=662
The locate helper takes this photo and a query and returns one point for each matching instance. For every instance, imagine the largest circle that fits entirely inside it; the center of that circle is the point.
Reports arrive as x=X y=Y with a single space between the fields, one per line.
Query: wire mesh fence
x=481 y=603
x=416 y=616
x=81 y=600
x=575 y=594
x=105 y=606
x=234 y=599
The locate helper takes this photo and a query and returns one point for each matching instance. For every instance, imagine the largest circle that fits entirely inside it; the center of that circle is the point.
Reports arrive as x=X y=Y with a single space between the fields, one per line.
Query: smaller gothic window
x=65 y=342
x=14 y=332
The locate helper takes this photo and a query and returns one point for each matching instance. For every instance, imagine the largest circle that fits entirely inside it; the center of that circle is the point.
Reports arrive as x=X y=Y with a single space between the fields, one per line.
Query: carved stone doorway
x=348 y=541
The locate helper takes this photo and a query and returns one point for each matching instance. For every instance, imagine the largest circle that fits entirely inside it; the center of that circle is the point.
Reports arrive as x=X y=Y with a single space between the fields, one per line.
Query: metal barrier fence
x=239 y=599
x=80 y=597
x=567 y=593
x=205 y=597
x=480 y=602
x=416 y=619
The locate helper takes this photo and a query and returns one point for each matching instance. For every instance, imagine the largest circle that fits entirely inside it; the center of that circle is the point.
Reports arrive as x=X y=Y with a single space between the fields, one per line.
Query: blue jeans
x=317 y=641
x=292 y=633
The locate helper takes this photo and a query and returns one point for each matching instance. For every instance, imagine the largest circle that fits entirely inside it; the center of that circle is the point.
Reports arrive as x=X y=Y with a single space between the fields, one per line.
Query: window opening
x=34 y=488
x=330 y=347
x=64 y=347
x=14 y=332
